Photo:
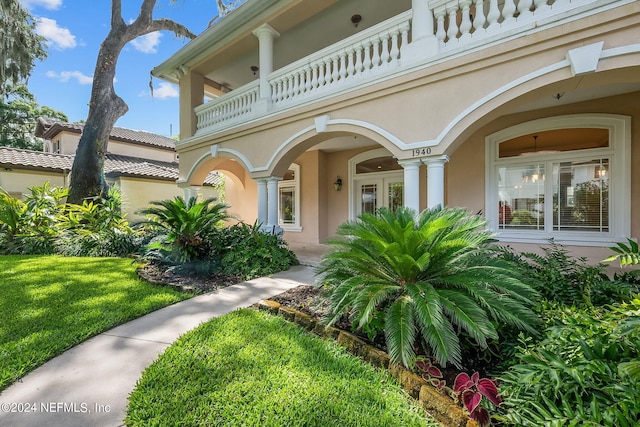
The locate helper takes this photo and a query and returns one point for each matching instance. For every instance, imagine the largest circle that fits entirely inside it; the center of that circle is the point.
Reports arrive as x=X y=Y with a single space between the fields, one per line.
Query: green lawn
x=50 y=303
x=249 y=368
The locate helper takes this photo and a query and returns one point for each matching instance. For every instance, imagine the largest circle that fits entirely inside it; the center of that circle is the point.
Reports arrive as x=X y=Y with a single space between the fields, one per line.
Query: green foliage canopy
x=19 y=113
x=20 y=45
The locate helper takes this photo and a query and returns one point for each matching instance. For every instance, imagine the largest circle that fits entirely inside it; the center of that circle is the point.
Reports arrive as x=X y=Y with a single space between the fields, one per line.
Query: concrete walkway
x=89 y=384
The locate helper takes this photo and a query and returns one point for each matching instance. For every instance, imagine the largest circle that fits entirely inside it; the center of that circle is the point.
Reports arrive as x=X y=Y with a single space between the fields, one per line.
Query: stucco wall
x=19 y=181
x=242 y=198
x=137 y=193
x=144 y=151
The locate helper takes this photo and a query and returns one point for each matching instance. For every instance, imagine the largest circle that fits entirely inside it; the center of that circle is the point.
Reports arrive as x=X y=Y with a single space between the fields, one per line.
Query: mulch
x=186 y=281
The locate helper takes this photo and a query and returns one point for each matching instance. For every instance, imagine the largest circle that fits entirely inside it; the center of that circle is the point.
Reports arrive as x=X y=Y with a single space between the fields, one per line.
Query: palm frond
x=400 y=331
x=435 y=327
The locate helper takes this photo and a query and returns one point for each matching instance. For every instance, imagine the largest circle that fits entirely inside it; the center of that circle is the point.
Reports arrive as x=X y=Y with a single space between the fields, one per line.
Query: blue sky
x=74 y=30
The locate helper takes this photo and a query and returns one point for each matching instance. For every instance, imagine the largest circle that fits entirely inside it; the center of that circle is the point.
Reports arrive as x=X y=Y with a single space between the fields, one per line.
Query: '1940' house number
x=421 y=152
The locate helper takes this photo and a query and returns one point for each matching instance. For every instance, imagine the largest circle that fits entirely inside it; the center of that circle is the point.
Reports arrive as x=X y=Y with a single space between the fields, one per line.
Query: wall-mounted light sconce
x=355 y=20
x=337 y=185
x=254 y=69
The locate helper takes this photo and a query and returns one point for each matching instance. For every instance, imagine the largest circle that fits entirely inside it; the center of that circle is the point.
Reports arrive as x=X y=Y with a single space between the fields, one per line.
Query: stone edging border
x=439 y=406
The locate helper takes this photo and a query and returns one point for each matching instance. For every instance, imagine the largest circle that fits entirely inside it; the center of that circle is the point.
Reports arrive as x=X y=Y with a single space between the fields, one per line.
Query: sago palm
x=424 y=277
x=185 y=225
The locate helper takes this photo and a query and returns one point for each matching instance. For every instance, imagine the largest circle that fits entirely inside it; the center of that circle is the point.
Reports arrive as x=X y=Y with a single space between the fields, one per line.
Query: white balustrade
x=463 y=21
x=229 y=108
x=379 y=49
x=371 y=51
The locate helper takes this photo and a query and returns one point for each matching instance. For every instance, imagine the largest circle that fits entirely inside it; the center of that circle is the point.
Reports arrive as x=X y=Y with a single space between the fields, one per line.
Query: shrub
x=248 y=252
x=184 y=229
x=97 y=228
x=579 y=373
x=567 y=280
x=31 y=226
x=424 y=279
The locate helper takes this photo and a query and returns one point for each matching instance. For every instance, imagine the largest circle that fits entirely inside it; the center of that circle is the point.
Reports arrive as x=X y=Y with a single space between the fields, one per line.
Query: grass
x=50 y=303
x=248 y=368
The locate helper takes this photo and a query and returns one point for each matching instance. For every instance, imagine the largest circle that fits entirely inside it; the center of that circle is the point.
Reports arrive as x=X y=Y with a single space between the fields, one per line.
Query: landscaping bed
x=186 y=281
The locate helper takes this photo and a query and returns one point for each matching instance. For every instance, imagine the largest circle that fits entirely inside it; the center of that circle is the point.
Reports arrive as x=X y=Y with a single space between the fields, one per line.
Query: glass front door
x=375 y=193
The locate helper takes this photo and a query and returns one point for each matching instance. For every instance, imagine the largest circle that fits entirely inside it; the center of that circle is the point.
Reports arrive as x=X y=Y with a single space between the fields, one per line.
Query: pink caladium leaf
x=462 y=382
x=489 y=390
x=481 y=415
x=471 y=400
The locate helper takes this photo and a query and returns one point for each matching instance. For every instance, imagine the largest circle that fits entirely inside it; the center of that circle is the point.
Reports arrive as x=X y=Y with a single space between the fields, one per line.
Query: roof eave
x=240 y=20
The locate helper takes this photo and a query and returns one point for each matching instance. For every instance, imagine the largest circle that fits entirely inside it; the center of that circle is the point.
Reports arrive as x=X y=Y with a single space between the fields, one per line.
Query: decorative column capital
x=436 y=160
x=410 y=163
x=266 y=30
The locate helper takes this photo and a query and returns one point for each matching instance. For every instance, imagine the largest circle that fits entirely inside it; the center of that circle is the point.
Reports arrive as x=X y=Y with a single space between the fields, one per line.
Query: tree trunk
x=105 y=106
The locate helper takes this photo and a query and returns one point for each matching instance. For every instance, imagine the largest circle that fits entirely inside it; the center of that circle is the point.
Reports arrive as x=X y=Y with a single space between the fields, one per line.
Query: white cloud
x=58 y=37
x=47 y=4
x=147 y=43
x=165 y=90
x=65 y=76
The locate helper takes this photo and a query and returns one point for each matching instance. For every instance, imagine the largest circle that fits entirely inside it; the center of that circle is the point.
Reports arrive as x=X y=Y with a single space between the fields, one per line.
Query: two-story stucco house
x=142 y=164
x=319 y=110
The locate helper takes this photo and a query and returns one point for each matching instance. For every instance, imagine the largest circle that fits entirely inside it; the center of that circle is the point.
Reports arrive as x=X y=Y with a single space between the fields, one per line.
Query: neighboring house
x=142 y=164
x=319 y=110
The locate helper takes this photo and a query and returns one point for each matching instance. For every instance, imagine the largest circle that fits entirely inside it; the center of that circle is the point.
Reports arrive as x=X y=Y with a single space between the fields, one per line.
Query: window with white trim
x=566 y=178
x=289 y=199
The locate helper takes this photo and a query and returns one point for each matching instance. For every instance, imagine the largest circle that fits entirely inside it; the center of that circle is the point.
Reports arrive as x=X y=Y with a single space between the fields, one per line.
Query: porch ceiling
x=311 y=26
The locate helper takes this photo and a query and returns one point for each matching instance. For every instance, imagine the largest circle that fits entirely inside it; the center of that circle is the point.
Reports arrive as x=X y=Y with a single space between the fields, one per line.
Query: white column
x=262 y=202
x=422 y=22
x=435 y=180
x=272 y=205
x=265 y=34
x=423 y=40
x=411 y=183
x=190 y=191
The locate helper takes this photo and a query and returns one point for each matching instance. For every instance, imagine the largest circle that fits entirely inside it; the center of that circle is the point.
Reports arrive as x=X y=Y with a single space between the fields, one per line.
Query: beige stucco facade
x=431 y=111
x=18 y=181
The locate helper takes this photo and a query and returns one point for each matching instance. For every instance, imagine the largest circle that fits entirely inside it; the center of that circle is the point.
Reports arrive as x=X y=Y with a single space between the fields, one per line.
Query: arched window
x=566 y=178
x=289 y=199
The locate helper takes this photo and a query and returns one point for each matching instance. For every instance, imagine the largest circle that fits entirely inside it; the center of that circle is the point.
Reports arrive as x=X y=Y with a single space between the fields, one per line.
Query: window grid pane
x=581 y=196
x=287 y=205
x=521 y=197
x=396 y=195
x=369 y=198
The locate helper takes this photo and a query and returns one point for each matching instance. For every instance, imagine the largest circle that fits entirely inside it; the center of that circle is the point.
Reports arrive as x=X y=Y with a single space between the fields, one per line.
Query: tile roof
x=114 y=166
x=48 y=129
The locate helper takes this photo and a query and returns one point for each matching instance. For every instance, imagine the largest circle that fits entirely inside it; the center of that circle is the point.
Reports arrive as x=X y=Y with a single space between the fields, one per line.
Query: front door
x=373 y=193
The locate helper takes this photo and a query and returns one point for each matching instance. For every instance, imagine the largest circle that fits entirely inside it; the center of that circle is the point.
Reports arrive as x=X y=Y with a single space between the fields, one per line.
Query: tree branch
x=116 y=13
x=175 y=27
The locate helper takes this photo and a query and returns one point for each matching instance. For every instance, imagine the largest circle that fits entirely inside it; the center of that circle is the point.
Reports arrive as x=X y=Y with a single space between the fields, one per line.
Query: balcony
x=446 y=29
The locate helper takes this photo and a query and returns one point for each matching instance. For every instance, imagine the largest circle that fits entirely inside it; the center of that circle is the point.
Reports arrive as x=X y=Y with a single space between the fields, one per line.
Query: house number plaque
x=421 y=152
